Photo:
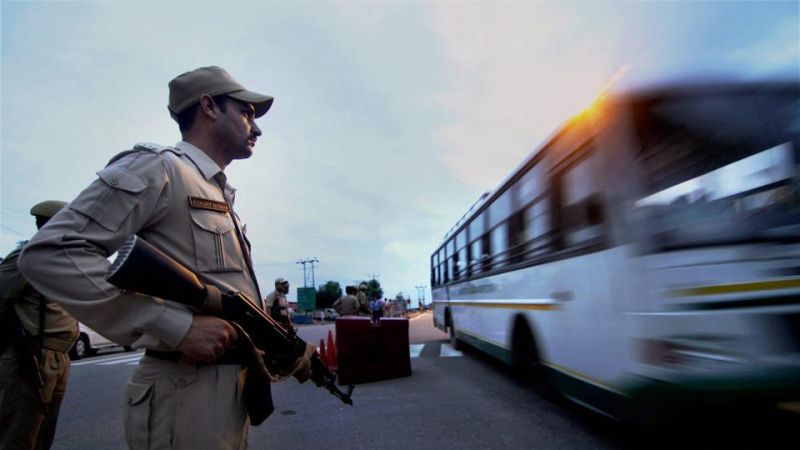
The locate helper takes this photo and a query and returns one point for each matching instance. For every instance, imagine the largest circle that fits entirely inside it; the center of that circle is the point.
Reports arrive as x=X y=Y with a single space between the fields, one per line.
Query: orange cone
x=333 y=361
x=322 y=355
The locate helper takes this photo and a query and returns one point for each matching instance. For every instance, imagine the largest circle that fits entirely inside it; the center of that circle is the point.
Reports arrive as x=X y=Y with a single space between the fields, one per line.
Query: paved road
x=453 y=400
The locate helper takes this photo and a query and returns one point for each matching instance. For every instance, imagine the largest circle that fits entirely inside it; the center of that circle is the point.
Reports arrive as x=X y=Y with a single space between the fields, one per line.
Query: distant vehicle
x=89 y=342
x=645 y=259
x=330 y=314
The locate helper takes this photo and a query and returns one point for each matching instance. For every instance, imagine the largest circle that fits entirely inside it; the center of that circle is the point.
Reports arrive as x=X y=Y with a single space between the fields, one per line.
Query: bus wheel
x=527 y=363
x=451 y=331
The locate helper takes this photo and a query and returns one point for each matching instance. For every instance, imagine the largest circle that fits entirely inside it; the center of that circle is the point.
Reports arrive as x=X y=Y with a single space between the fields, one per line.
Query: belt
x=231 y=356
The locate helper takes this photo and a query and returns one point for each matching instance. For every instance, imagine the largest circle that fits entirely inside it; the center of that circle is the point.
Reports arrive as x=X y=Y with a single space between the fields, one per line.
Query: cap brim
x=260 y=102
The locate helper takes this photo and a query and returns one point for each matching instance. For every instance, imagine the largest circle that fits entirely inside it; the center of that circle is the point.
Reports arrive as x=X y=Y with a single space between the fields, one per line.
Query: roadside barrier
x=372 y=351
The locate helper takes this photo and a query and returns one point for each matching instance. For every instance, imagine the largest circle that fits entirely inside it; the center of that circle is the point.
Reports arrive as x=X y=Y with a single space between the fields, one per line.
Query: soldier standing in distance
x=35 y=335
x=363 y=301
x=347 y=305
x=186 y=391
x=277 y=305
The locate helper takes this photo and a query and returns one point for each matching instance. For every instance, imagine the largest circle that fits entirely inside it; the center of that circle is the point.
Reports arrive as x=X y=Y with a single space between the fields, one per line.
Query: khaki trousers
x=23 y=423
x=174 y=405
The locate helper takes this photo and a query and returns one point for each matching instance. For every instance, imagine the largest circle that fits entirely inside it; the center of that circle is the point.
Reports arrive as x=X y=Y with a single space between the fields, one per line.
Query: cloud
x=766 y=58
x=517 y=75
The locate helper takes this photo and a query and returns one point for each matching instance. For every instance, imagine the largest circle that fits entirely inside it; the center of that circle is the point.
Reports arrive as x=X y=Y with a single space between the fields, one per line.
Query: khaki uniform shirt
x=279 y=297
x=60 y=329
x=363 y=302
x=347 y=305
x=177 y=199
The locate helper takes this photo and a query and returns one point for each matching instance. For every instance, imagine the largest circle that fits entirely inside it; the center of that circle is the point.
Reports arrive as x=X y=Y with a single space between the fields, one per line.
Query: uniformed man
x=186 y=391
x=347 y=305
x=363 y=300
x=277 y=305
x=34 y=366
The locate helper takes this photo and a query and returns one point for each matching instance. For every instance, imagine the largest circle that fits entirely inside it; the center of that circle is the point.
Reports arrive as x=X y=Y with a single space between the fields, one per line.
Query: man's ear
x=208 y=107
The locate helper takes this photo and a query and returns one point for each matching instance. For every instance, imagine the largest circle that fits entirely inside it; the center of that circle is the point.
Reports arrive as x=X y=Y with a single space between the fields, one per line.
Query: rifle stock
x=142 y=268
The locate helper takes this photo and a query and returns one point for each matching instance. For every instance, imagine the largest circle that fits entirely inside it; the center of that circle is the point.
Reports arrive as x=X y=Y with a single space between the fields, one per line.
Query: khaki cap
x=280 y=281
x=47 y=208
x=186 y=89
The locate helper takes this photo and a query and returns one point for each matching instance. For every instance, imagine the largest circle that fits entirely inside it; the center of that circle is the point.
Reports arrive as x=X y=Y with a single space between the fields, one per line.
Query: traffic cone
x=333 y=361
x=322 y=355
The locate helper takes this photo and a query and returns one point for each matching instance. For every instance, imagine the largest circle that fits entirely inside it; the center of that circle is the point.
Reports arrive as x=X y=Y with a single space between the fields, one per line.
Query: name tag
x=211 y=205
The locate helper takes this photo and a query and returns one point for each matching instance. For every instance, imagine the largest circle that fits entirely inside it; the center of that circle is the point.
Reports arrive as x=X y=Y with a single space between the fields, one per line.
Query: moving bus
x=646 y=257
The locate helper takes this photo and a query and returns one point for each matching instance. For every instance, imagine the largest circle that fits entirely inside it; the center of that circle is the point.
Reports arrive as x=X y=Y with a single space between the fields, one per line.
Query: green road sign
x=306 y=298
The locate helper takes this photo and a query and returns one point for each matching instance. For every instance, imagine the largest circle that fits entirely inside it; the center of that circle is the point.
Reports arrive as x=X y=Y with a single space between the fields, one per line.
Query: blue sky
x=390 y=118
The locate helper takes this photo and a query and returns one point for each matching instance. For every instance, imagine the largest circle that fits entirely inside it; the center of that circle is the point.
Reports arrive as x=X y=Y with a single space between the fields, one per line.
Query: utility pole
x=421 y=293
x=303 y=262
x=305 y=277
x=373 y=276
x=313 y=261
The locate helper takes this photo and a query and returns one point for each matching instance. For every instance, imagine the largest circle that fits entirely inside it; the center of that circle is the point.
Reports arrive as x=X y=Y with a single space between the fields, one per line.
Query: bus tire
x=451 y=332
x=527 y=362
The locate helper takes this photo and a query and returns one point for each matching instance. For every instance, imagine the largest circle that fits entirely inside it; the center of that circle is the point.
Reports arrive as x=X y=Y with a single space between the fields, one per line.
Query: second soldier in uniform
x=35 y=335
x=277 y=304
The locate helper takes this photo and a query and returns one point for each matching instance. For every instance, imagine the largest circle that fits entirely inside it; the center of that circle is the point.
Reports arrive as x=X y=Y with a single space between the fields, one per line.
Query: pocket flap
x=138 y=392
x=212 y=221
x=119 y=178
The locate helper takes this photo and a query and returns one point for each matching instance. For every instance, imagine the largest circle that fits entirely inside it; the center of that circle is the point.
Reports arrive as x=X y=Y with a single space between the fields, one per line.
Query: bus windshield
x=719 y=169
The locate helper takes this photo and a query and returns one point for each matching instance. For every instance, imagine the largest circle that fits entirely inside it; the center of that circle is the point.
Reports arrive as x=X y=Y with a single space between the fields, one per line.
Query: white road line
x=416 y=349
x=113 y=358
x=448 y=351
x=121 y=361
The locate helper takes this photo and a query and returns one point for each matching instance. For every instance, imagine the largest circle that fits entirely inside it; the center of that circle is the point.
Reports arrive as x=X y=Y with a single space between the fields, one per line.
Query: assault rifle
x=142 y=268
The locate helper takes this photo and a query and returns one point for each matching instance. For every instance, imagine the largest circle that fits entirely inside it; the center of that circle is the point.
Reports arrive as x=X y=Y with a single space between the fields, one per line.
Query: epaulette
x=145 y=147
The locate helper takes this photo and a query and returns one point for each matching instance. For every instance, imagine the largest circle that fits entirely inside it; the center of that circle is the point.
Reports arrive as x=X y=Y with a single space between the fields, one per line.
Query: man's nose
x=256 y=130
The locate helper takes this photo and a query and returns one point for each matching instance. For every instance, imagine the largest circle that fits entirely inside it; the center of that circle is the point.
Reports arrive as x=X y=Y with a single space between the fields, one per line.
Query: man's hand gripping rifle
x=142 y=268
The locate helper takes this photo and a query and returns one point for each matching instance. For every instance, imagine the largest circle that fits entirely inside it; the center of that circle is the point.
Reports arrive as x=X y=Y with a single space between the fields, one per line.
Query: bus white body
x=645 y=257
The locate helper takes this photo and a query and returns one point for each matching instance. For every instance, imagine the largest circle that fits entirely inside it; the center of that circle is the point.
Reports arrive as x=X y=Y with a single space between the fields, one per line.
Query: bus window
x=477 y=255
x=443 y=276
x=718 y=170
x=435 y=278
x=537 y=227
x=477 y=252
x=461 y=253
x=581 y=207
x=533 y=184
x=453 y=260
x=516 y=238
x=500 y=209
x=499 y=245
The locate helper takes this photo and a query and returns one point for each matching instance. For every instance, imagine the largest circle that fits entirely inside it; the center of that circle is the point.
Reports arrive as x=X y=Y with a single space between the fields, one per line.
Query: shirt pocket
x=216 y=245
x=111 y=198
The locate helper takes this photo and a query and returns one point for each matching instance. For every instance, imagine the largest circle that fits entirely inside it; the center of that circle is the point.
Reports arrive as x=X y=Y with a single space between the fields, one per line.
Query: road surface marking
x=415 y=349
x=122 y=361
x=113 y=358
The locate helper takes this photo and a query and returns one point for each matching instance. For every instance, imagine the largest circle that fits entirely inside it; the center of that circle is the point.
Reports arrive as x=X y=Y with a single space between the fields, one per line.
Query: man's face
x=283 y=288
x=238 y=131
